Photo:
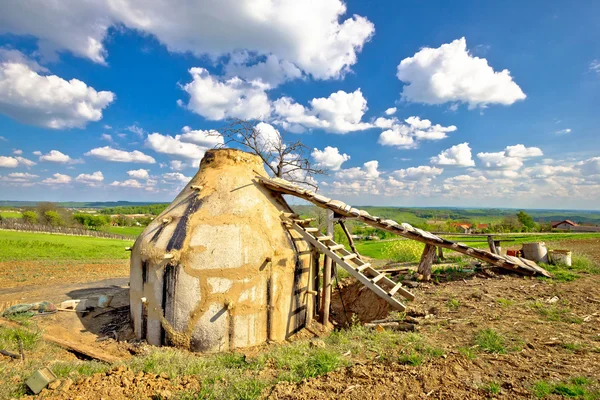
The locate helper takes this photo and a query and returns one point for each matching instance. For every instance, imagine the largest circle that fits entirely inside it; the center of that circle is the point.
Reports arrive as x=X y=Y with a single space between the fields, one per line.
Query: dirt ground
x=19 y=274
x=551 y=331
x=543 y=349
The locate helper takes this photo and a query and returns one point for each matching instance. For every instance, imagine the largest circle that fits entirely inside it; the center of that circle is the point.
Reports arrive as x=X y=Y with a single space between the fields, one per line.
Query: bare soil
x=538 y=349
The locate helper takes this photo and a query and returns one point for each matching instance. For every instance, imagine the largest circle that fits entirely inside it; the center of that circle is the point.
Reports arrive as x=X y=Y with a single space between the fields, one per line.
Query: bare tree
x=284 y=159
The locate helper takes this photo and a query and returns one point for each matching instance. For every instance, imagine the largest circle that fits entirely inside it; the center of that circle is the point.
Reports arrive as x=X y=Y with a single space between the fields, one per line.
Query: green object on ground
x=41 y=308
x=40 y=379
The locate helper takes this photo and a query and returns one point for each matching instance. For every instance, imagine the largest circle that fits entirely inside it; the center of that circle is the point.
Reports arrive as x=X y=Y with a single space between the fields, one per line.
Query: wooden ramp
x=376 y=281
x=515 y=264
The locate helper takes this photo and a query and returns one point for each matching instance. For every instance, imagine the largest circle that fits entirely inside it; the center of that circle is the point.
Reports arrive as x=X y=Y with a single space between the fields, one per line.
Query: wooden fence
x=60 y=230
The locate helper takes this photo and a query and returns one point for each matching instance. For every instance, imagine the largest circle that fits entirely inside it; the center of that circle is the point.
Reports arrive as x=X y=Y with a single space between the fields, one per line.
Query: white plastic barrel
x=562 y=257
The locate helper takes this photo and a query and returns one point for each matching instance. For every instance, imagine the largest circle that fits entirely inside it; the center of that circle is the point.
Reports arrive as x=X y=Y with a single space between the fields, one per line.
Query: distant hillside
x=78 y=204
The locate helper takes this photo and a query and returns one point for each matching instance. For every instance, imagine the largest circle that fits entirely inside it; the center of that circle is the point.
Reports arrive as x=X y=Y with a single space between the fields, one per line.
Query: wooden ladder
x=376 y=281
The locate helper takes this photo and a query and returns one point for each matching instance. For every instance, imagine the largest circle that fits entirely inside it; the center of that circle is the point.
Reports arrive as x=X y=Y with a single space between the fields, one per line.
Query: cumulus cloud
x=367 y=171
x=450 y=73
x=390 y=111
x=341 y=112
x=107 y=153
x=48 y=100
x=407 y=134
x=17 y=152
x=267 y=137
x=58 y=179
x=177 y=165
x=313 y=36
x=217 y=99
x=458 y=155
x=90 y=179
x=420 y=173
x=14 y=162
x=137 y=130
x=591 y=166
x=56 y=156
x=192 y=144
x=176 y=177
x=138 y=173
x=129 y=183
x=511 y=159
x=18 y=177
x=272 y=71
x=329 y=158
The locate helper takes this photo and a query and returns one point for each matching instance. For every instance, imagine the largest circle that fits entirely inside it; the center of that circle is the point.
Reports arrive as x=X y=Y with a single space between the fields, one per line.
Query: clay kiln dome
x=217 y=270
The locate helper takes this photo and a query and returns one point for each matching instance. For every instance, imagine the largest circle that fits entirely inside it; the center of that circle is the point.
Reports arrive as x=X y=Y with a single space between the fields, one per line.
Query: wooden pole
x=426 y=260
x=350 y=241
x=492 y=245
x=440 y=254
x=327 y=275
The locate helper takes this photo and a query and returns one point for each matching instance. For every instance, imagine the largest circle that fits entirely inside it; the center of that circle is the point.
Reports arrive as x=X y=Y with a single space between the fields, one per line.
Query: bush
x=403 y=250
x=53 y=218
x=30 y=217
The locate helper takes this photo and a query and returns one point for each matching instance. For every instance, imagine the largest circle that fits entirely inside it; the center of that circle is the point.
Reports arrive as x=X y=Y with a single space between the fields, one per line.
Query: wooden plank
x=492 y=245
x=349 y=236
x=377 y=278
x=406 y=230
x=363 y=267
x=327 y=288
x=426 y=260
x=323 y=238
x=78 y=348
x=336 y=247
x=349 y=257
x=395 y=289
x=310 y=230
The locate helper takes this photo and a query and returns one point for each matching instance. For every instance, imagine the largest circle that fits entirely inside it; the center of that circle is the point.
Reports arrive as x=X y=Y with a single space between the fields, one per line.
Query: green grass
x=11 y=214
x=490 y=341
x=581 y=265
x=555 y=313
x=492 y=388
x=133 y=231
x=373 y=249
x=25 y=246
x=576 y=387
x=453 y=303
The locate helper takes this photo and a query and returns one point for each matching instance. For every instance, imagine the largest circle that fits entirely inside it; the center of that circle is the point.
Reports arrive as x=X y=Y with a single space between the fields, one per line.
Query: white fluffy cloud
x=511 y=159
x=368 y=171
x=129 y=183
x=18 y=178
x=423 y=172
x=56 y=156
x=450 y=74
x=14 y=162
x=407 y=134
x=390 y=111
x=107 y=153
x=59 y=179
x=192 y=144
x=341 y=112
x=90 y=179
x=268 y=138
x=138 y=173
x=48 y=100
x=218 y=99
x=329 y=158
x=458 y=155
x=176 y=177
x=310 y=34
x=591 y=166
x=8 y=162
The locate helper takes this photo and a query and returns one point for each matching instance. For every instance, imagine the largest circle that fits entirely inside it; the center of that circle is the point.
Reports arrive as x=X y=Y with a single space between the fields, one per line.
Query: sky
x=404 y=103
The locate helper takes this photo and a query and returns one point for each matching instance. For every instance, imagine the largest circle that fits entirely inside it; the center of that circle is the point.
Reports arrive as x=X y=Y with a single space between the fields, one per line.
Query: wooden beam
x=492 y=245
x=350 y=241
x=426 y=260
x=327 y=288
x=440 y=254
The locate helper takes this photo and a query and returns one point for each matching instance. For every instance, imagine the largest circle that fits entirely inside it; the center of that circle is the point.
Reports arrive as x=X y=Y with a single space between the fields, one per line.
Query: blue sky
x=495 y=105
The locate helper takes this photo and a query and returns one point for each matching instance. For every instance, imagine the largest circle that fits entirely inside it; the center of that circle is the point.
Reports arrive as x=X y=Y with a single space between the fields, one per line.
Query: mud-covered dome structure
x=217 y=270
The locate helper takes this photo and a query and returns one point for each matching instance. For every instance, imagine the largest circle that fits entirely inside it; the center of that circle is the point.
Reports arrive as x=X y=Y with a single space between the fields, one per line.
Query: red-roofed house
x=565 y=225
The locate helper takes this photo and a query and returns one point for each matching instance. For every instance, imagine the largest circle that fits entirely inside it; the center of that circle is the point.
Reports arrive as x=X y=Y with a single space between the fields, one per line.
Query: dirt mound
x=358 y=302
x=119 y=383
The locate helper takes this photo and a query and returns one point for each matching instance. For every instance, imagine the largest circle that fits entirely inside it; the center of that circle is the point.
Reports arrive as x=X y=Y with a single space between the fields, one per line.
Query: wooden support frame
x=327 y=273
x=426 y=260
x=349 y=236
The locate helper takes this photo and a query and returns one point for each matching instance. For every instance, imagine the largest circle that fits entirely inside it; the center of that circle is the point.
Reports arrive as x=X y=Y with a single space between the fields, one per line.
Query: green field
x=133 y=231
x=24 y=246
x=11 y=214
x=381 y=249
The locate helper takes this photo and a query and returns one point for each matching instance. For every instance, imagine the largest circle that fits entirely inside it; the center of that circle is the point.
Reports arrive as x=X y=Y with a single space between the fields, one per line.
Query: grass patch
x=576 y=387
x=556 y=313
x=468 y=352
x=10 y=338
x=490 y=341
x=25 y=246
x=572 y=347
x=580 y=265
x=505 y=303
x=492 y=388
x=453 y=303
x=403 y=250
